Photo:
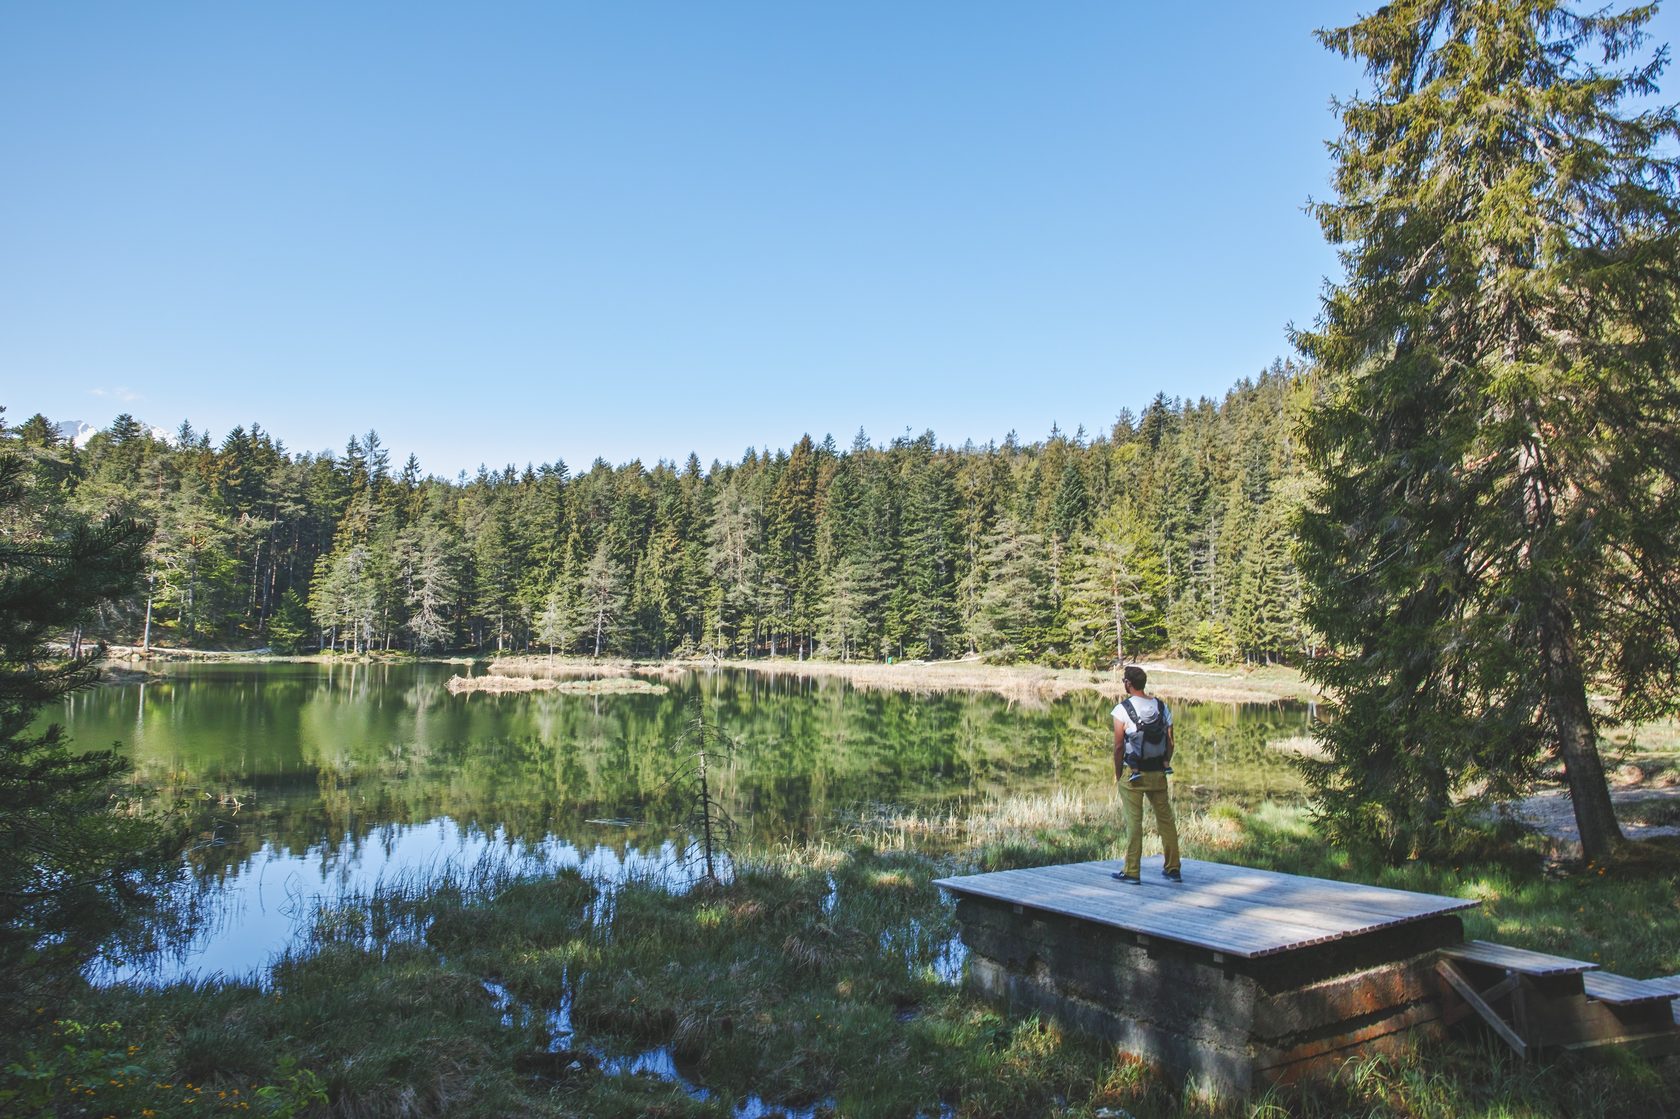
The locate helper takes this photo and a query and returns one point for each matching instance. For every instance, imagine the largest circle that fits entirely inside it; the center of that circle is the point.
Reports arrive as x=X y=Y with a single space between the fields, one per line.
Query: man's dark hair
x=1135 y=676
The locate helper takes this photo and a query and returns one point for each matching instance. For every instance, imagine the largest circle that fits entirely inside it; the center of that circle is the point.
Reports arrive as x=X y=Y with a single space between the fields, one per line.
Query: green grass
x=814 y=977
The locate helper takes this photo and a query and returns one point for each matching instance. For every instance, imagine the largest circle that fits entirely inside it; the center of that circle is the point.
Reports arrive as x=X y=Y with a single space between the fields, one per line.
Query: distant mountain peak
x=78 y=432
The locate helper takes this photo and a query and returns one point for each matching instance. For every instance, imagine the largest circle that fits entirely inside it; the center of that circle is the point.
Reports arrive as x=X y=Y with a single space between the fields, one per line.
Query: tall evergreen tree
x=67 y=850
x=602 y=596
x=1118 y=595
x=1013 y=610
x=1498 y=455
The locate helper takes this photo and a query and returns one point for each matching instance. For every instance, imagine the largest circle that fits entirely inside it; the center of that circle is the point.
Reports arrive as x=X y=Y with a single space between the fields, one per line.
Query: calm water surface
x=325 y=780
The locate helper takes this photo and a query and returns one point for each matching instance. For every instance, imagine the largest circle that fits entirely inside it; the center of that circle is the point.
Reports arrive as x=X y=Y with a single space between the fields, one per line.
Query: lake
x=326 y=779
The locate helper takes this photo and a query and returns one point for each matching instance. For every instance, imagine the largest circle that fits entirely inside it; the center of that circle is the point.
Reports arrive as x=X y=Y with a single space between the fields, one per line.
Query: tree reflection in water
x=332 y=778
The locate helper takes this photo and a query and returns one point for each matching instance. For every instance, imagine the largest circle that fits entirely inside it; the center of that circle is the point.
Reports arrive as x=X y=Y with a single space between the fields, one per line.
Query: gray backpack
x=1152 y=732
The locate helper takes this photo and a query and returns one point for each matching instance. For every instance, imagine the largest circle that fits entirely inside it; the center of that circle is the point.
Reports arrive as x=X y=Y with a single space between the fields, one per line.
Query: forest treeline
x=1168 y=534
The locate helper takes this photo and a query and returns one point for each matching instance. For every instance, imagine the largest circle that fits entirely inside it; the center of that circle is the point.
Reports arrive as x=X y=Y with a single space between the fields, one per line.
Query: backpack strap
x=1130 y=710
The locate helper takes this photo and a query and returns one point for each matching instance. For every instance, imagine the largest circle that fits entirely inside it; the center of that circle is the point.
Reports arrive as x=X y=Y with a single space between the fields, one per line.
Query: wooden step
x=1489 y=954
x=1669 y=983
x=1609 y=987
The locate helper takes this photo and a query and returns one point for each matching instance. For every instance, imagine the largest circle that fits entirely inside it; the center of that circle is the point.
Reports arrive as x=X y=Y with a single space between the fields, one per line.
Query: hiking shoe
x=1167 y=770
x=1133 y=778
x=1128 y=879
x=1172 y=875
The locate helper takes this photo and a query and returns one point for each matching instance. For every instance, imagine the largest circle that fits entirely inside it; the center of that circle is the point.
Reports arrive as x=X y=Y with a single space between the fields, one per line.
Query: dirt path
x=1551 y=814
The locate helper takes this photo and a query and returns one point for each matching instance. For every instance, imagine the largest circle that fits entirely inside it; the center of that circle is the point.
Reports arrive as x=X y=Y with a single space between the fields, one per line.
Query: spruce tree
x=1496 y=457
x=68 y=856
x=1013 y=611
x=1119 y=590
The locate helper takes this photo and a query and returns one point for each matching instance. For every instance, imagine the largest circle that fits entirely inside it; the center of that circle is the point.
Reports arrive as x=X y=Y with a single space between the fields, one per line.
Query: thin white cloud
x=121 y=392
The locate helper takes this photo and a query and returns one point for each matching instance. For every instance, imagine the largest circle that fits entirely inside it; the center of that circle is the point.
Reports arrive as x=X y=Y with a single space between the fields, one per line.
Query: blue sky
x=510 y=233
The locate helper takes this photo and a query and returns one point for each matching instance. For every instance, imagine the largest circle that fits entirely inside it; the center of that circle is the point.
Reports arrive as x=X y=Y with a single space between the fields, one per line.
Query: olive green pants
x=1132 y=794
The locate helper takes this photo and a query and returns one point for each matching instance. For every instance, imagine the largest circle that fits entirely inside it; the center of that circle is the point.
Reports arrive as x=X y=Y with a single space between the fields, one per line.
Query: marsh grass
x=821 y=975
x=605 y=685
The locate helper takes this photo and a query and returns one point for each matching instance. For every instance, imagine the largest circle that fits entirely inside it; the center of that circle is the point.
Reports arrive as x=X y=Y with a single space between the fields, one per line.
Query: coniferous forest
x=1167 y=534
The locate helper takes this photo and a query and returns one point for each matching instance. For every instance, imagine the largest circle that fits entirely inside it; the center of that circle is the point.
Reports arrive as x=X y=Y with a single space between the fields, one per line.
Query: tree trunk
x=1119 y=631
x=1566 y=685
x=1577 y=741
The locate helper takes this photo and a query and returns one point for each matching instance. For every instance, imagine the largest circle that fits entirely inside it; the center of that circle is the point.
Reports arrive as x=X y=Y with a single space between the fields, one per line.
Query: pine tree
x=1497 y=459
x=192 y=562
x=68 y=854
x=289 y=630
x=602 y=595
x=925 y=608
x=1117 y=600
x=1014 y=608
x=736 y=557
x=434 y=584
x=553 y=626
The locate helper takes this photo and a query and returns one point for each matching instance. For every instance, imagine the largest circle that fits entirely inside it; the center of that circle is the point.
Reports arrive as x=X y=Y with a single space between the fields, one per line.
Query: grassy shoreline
x=1172 y=679
x=815 y=978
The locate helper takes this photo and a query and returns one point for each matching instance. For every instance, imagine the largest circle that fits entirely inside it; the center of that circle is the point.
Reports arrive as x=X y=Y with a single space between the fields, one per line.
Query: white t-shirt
x=1145 y=706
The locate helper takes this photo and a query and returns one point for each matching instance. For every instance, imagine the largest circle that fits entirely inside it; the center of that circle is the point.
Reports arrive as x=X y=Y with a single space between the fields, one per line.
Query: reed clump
x=499 y=685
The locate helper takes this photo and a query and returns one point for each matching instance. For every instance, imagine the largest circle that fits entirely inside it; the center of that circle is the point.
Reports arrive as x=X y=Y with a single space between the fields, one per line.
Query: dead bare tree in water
x=703 y=746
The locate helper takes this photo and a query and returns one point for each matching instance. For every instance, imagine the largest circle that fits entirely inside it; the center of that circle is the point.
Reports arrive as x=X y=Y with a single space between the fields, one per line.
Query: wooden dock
x=1238 y=978
x=1534 y=1001
x=1234 y=910
x=1235 y=977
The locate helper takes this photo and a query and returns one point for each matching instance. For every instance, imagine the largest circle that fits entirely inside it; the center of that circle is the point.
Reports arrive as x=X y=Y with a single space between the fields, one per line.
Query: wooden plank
x=1580 y=1021
x=1608 y=987
x=1146 y=908
x=1669 y=983
x=1331 y=914
x=1234 y=910
x=1234 y=933
x=1506 y=986
x=1488 y=953
x=1489 y=1015
x=1381 y=904
x=1377 y=899
x=1247 y=927
x=1377 y=903
x=1167 y=926
x=1046 y=887
x=1313 y=899
x=1520 y=1017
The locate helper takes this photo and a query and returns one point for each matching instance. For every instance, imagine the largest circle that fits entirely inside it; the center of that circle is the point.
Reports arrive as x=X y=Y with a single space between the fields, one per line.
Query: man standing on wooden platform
x=1143 y=750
